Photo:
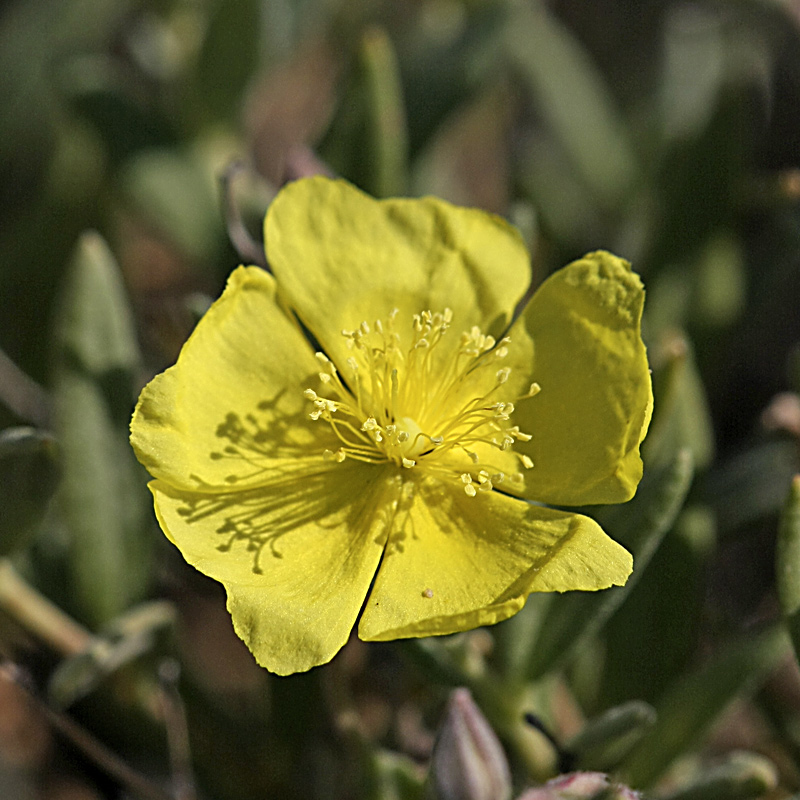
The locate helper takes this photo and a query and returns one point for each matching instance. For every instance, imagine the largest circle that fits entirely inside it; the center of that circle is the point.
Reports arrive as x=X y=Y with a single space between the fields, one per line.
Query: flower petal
x=454 y=562
x=296 y=557
x=596 y=399
x=232 y=407
x=341 y=257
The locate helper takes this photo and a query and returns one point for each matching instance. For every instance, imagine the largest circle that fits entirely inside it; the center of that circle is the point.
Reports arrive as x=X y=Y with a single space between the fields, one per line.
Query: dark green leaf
x=788 y=563
x=639 y=525
x=29 y=474
x=697 y=699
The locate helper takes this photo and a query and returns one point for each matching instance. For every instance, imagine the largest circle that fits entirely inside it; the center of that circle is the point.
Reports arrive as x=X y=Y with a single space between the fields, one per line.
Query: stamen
x=404 y=402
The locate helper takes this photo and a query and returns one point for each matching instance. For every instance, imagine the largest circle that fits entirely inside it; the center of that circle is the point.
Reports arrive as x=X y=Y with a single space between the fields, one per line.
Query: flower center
x=436 y=405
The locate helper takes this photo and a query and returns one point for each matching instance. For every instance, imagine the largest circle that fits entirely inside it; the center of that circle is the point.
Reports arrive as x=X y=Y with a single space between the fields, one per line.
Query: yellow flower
x=364 y=424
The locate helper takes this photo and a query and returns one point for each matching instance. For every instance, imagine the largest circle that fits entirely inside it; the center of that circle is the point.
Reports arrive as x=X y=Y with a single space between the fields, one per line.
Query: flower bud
x=580 y=786
x=468 y=761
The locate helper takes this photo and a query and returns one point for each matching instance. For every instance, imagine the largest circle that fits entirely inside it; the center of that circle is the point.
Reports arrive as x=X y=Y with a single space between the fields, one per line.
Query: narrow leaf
x=695 y=701
x=386 y=114
x=29 y=474
x=575 y=102
x=639 y=525
x=682 y=417
x=605 y=740
x=742 y=776
x=788 y=563
x=93 y=391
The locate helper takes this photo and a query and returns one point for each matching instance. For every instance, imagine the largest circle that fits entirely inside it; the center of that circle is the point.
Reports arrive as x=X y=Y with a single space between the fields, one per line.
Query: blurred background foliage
x=141 y=141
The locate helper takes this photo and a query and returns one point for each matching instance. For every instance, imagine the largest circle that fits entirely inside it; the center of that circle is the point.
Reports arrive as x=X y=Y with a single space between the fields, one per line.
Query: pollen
x=424 y=401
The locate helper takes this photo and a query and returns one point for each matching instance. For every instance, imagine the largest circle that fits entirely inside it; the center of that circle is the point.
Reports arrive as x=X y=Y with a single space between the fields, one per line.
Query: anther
x=384 y=416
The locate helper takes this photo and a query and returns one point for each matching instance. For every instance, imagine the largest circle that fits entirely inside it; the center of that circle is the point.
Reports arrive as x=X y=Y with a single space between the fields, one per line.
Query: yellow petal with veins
x=232 y=408
x=455 y=562
x=596 y=399
x=341 y=257
x=296 y=557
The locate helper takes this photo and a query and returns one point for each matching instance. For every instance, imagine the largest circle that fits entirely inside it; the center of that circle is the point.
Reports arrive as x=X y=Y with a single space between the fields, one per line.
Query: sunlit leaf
x=102 y=495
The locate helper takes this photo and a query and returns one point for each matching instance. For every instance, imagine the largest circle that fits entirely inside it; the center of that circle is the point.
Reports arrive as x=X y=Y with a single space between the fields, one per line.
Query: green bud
x=741 y=776
x=468 y=761
x=607 y=739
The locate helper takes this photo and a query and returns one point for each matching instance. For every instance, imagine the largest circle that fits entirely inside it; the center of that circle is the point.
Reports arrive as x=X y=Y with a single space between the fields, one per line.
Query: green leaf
x=575 y=103
x=607 y=739
x=29 y=475
x=750 y=486
x=741 y=776
x=103 y=490
x=654 y=635
x=788 y=563
x=720 y=291
x=173 y=192
x=467 y=160
x=390 y=776
x=638 y=525
x=229 y=56
x=682 y=418
x=388 y=140
x=695 y=701
x=123 y=640
x=367 y=141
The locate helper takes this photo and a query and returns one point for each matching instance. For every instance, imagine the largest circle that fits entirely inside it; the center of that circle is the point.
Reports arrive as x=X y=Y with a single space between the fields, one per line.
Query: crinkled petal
x=453 y=562
x=296 y=557
x=596 y=399
x=232 y=408
x=340 y=257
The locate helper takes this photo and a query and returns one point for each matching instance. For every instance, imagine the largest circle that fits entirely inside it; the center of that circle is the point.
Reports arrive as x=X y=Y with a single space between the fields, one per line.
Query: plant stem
x=38 y=615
